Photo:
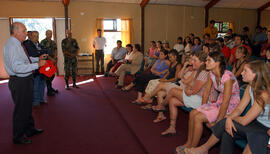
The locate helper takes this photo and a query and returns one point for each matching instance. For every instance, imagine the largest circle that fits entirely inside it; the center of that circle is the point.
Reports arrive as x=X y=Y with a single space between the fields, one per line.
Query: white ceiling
x=246 y=4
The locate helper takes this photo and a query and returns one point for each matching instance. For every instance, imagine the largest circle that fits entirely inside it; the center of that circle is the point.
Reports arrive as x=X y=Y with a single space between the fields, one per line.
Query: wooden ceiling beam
x=144 y=3
x=206 y=10
x=259 y=12
x=263 y=7
x=211 y=4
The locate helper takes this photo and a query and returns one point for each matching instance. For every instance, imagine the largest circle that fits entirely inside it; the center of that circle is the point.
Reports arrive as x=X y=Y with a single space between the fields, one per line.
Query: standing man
x=258 y=40
x=19 y=67
x=70 y=50
x=34 y=49
x=211 y=30
x=99 y=44
x=49 y=44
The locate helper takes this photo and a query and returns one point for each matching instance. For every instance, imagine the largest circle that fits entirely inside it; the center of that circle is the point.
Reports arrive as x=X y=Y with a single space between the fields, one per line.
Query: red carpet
x=97 y=118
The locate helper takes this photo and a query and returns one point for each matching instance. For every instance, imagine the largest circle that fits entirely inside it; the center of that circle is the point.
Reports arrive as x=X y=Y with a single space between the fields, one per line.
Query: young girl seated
x=210 y=113
x=235 y=126
x=162 y=89
x=191 y=95
x=150 y=57
x=238 y=66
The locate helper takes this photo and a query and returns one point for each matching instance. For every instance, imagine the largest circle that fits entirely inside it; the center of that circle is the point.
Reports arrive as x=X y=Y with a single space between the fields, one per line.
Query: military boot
x=74 y=84
x=67 y=86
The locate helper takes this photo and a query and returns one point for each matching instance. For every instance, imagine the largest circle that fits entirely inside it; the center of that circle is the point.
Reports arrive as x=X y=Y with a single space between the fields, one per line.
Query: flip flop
x=169 y=134
x=187 y=151
x=125 y=90
x=143 y=102
x=179 y=150
x=134 y=102
x=159 y=119
x=147 y=107
x=158 y=110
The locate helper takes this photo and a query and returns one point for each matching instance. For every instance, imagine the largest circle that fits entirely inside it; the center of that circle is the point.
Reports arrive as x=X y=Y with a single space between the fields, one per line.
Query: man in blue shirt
x=20 y=67
x=117 y=54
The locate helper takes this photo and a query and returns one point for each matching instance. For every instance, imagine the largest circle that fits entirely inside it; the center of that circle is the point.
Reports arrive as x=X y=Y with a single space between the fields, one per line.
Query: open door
x=60 y=35
x=4 y=26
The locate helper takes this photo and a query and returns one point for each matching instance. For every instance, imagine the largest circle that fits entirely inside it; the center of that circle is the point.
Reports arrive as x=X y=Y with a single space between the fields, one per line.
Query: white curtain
x=60 y=35
x=4 y=36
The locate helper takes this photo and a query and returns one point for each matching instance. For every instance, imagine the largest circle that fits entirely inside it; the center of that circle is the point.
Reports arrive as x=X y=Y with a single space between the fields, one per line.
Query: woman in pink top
x=210 y=113
x=191 y=95
x=150 y=57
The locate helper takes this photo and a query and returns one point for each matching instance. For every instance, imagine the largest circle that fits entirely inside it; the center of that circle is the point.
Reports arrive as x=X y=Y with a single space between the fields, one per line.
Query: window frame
x=53 y=23
x=221 y=33
x=114 y=25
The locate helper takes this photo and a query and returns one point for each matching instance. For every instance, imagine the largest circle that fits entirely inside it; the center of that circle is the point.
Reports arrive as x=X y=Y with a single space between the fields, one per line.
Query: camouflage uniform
x=70 y=46
x=52 y=47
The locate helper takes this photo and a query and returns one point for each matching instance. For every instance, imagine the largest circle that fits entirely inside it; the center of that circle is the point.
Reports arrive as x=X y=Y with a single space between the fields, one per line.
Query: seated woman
x=185 y=76
x=127 y=57
x=206 y=48
x=258 y=142
x=238 y=66
x=170 y=77
x=234 y=126
x=150 y=57
x=197 y=45
x=166 y=45
x=227 y=86
x=132 y=65
x=191 y=95
x=158 y=70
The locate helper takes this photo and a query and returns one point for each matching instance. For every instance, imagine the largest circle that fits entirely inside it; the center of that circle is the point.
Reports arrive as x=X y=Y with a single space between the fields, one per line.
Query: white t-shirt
x=187 y=48
x=99 y=43
x=128 y=55
x=178 y=47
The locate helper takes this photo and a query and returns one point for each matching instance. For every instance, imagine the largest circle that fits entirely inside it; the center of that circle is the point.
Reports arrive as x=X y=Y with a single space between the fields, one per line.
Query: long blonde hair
x=261 y=82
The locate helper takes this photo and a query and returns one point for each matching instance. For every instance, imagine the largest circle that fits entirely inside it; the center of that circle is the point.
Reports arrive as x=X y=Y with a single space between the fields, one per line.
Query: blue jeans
x=39 y=86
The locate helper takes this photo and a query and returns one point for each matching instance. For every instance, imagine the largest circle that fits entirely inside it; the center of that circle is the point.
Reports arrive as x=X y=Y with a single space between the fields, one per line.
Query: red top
x=226 y=51
x=234 y=50
x=264 y=47
x=48 y=69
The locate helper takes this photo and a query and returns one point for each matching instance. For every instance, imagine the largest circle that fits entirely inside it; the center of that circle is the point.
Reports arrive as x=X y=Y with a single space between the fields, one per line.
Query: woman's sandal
x=168 y=134
x=134 y=102
x=159 y=119
x=125 y=89
x=143 y=102
x=180 y=150
x=187 y=151
x=147 y=107
x=157 y=109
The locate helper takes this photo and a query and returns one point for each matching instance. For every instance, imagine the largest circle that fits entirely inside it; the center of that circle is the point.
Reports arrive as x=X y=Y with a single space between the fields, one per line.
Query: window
x=222 y=28
x=36 y=24
x=112 y=33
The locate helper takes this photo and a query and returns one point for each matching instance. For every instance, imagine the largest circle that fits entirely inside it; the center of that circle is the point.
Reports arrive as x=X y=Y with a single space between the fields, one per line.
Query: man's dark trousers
x=99 y=57
x=21 y=89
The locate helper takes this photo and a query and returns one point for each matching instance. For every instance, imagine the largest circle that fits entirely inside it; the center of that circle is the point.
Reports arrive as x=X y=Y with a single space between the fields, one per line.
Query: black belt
x=100 y=50
x=14 y=76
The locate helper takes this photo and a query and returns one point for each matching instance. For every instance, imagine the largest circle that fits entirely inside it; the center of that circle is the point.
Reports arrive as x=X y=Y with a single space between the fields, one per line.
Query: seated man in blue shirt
x=35 y=49
x=118 y=53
